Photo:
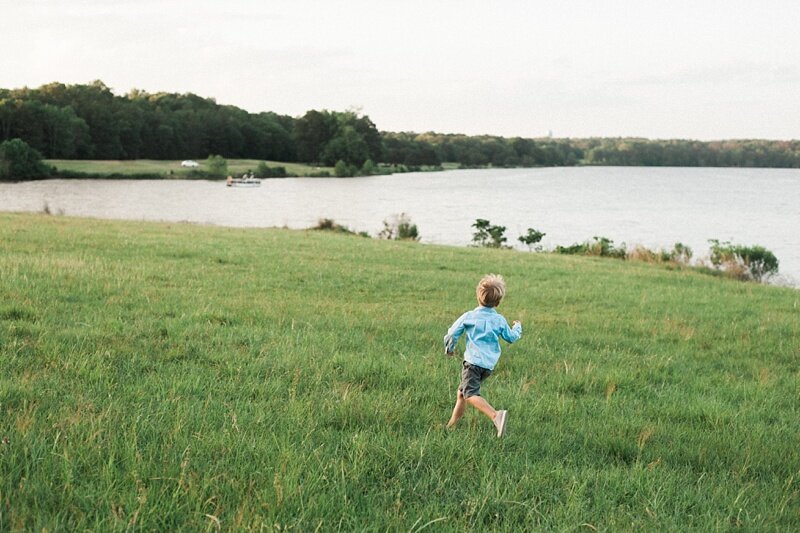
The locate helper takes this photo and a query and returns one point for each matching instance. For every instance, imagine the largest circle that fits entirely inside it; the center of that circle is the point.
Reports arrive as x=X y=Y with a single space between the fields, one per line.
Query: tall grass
x=180 y=377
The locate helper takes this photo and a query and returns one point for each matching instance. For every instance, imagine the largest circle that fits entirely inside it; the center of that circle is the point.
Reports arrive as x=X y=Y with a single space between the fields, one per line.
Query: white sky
x=701 y=69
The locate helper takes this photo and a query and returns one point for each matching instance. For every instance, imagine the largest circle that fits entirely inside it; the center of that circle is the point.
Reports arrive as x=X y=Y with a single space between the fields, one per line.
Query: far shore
x=170 y=169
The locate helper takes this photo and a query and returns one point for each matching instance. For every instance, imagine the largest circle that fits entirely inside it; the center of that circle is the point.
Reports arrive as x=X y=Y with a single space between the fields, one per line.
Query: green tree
x=347 y=146
x=65 y=133
x=488 y=235
x=531 y=238
x=18 y=161
x=312 y=132
x=366 y=130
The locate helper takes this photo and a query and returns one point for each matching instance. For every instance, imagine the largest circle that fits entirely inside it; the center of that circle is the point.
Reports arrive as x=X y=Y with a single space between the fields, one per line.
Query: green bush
x=599 y=246
x=369 y=168
x=73 y=174
x=18 y=161
x=679 y=255
x=400 y=228
x=217 y=166
x=328 y=224
x=574 y=249
x=265 y=171
x=343 y=170
x=743 y=262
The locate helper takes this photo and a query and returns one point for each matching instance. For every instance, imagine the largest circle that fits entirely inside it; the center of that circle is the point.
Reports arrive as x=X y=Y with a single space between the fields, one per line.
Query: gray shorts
x=471 y=378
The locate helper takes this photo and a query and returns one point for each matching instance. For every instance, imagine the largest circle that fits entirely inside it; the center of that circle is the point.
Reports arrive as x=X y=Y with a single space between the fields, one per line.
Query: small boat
x=244 y=181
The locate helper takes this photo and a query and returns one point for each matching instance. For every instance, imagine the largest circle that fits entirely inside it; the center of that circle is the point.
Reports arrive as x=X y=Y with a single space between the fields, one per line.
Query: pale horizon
x=684 y=70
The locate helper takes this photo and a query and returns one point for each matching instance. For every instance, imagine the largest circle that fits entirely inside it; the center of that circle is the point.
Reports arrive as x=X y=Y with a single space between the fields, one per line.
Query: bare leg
x=483 y=406
x=458 y=410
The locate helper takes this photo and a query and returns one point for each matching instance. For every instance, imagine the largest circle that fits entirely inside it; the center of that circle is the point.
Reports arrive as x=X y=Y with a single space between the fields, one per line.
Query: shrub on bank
x=328 y=224
x=217 y=166
x=265 y=171
x=747 y=263
x=598 y=246
x=400 y=228
x=343 y=170
x=743 y=262
x=77 y=175
x=18 y=161
x=680 y=254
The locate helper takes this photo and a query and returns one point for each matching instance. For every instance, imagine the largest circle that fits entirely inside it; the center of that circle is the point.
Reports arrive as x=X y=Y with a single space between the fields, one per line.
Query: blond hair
x=491 y=290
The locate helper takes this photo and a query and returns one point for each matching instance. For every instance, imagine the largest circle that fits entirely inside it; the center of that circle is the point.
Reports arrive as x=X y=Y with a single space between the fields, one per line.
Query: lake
x=635 y=205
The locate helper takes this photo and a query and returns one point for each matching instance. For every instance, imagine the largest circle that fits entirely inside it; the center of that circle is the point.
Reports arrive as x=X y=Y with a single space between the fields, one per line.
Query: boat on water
x=244 y=181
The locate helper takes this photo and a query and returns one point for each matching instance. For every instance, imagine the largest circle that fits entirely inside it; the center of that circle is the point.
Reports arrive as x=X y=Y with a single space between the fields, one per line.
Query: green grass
x=180 y=377
x=149 y=166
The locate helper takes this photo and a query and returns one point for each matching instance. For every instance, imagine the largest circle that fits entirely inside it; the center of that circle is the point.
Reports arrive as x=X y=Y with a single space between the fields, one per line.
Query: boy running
x=484 y=327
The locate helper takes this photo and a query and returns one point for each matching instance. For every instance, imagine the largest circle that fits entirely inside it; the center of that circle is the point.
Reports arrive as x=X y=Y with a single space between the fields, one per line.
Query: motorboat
x=244 y=181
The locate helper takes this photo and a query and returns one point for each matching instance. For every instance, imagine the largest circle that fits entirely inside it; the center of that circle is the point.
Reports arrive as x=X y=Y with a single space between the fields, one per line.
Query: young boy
x=484 y=327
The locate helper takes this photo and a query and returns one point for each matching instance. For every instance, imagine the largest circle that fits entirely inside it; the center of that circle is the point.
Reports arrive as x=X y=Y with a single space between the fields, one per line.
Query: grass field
x=178 y=377
x=149 y=166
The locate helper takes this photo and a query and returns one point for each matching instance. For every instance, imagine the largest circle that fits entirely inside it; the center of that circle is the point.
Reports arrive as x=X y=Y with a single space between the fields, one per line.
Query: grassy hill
x=166 y=377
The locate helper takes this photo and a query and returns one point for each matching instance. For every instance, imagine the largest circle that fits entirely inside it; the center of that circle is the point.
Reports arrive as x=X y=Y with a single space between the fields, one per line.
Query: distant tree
x=90 y=122
x=366 y=130
x=65 y=134
x=8 y=116
x=18 y=161
x=312 y=132
x=347 y=146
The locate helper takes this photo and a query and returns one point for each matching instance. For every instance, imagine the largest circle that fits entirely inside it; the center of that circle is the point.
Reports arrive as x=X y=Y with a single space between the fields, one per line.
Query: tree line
x=89 y=121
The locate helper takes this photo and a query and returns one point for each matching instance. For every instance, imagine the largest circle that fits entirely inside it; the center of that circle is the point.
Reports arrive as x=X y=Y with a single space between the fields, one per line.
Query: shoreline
x=780 y=280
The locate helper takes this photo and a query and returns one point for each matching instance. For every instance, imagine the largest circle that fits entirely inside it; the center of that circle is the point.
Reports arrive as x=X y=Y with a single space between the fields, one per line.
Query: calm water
x=649 y=206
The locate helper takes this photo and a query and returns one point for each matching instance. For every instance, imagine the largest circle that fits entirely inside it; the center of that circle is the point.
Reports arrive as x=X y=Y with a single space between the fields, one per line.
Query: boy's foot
x=500 y=422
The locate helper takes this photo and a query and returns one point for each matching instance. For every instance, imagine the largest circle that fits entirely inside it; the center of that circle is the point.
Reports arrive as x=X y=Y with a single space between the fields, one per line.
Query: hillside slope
x=171 y=377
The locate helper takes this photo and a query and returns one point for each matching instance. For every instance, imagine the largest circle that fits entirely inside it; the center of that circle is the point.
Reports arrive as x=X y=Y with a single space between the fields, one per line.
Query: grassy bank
x=174 y=168
x=166 y=377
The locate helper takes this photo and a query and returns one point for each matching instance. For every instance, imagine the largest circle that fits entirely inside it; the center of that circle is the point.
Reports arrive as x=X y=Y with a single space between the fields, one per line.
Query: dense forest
x=91 y=122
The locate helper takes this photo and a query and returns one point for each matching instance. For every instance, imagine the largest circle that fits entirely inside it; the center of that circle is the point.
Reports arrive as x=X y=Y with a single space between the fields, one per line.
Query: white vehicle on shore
x=190 y=164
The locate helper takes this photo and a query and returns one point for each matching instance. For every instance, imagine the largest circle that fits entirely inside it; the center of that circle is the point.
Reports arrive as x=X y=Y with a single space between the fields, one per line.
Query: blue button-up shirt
x=484 y=327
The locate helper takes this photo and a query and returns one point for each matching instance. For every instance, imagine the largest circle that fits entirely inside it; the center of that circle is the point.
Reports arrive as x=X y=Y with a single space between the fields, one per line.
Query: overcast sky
x=698 y=69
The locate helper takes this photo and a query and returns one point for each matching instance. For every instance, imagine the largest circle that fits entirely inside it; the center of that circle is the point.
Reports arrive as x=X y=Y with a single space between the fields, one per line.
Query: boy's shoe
x=500 y=422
